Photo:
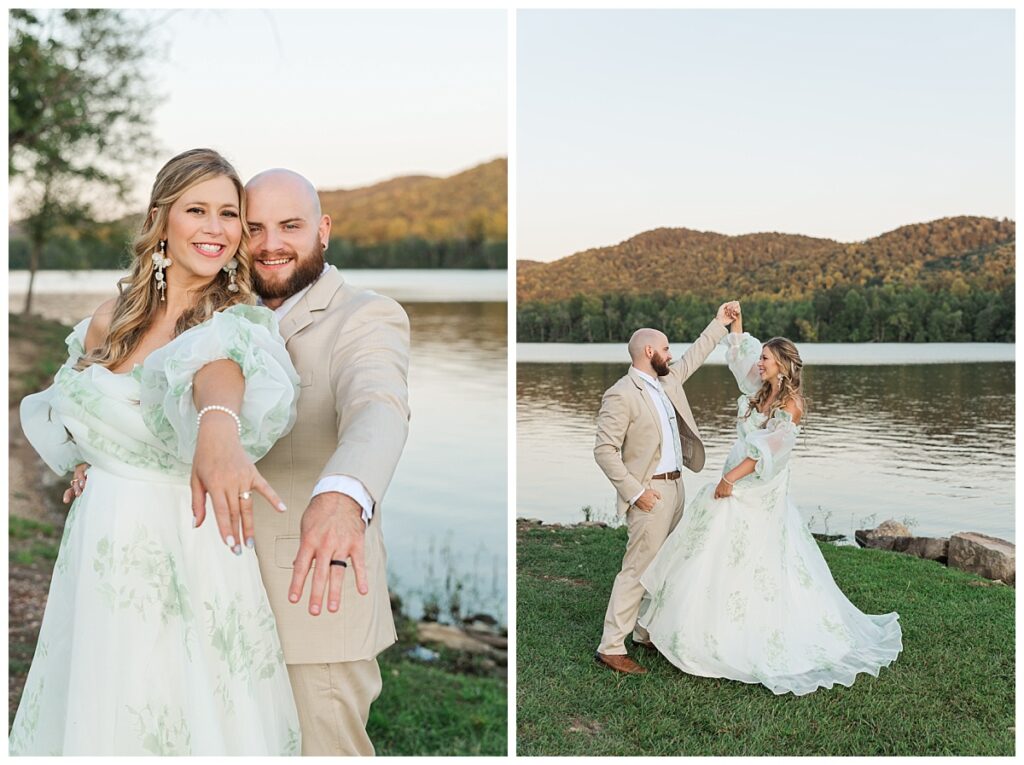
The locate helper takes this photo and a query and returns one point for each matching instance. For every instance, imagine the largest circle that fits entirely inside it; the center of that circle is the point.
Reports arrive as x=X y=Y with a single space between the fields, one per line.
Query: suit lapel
x=641 y=386
x=673 y=392
x=296 y=320
x=317 y=298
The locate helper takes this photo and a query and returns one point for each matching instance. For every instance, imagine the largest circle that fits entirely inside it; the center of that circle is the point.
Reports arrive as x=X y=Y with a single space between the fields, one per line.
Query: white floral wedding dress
x=156 y=639
x=740 y=589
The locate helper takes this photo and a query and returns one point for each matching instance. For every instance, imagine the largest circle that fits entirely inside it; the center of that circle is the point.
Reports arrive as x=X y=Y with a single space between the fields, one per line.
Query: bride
x=157 y=636
x=740 y=589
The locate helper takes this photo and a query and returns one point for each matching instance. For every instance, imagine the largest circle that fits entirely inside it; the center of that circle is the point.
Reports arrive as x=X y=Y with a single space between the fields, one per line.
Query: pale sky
x=840 y=124
x=345 y=97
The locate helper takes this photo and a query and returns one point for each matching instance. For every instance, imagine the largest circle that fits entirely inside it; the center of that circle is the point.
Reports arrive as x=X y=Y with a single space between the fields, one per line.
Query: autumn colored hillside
x=414 y=221
x=950 y=280
x=960 y=254
x=471 y=204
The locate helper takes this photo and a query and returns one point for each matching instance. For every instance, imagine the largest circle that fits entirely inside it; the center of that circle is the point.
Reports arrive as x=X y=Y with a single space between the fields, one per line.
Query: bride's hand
x=723 y=490
x=222 y=469
x=77 y=483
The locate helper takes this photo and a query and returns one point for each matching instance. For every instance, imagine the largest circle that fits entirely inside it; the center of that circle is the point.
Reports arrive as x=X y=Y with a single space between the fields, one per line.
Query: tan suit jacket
x=351 y=350
x=628 y=444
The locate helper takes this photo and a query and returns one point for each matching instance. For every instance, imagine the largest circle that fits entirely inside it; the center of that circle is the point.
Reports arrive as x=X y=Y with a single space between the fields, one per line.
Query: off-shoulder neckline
x=785 y=415
x=84 y=323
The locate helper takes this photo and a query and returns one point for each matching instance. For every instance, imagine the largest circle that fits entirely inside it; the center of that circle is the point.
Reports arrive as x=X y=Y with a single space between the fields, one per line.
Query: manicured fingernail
x=250 y=542
x=237 y=549
x=230 y=541
x=293 y=598
x=332 y=606
x=314 y=609
x=195 y=521
x=281 y=506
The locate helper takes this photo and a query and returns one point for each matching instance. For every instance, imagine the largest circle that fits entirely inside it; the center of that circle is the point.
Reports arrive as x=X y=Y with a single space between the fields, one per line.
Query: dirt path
x=34 y=493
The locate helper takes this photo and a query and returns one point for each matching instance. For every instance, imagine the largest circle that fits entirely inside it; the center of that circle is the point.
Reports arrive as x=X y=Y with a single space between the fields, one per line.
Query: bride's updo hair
x=139 y=298
x=791 y=366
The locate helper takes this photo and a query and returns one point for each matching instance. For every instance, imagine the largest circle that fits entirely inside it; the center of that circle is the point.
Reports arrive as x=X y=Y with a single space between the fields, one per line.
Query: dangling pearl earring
x=231 y=267
x=780 y=377
x=160 y=262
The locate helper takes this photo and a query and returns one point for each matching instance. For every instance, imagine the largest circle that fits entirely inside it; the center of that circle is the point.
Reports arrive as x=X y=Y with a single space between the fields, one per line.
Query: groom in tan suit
x=351 y=350
x=645 y=435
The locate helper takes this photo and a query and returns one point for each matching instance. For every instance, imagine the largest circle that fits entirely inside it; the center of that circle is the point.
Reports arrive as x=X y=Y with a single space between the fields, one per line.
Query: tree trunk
x=35 y=255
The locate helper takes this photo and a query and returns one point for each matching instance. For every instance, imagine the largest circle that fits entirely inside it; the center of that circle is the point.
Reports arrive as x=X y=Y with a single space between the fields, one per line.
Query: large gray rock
x=930 y=548
x=882 y=537
x=459 y=640
x=991 y=557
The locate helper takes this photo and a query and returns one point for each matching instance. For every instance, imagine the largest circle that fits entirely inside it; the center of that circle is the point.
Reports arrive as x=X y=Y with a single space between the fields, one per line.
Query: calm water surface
x=931 y=445
x=445 y=519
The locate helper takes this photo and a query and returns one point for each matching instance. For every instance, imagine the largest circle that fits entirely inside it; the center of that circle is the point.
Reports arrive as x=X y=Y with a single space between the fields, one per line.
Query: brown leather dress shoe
x=620 y=663
x=647 y=645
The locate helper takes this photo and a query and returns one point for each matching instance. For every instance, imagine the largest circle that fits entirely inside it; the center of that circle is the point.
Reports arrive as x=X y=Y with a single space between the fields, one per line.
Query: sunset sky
x=345 y=97
x=840 y=124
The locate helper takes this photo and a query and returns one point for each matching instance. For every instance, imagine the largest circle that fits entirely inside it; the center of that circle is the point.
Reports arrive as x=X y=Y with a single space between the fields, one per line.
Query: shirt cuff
x=350 y=486
x=639 y=494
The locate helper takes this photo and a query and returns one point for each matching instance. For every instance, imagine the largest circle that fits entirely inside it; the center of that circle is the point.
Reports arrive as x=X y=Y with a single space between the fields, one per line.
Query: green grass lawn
x=425 y=710
x=951 y=691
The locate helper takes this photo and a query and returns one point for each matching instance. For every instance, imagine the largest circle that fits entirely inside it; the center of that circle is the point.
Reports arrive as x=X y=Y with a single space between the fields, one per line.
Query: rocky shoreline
x=976 y=553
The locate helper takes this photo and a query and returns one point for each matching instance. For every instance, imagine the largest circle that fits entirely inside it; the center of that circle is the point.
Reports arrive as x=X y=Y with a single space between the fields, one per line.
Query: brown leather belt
x=666 y=476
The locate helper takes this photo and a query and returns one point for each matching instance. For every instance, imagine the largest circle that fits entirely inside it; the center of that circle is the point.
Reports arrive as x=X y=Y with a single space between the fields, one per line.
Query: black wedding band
x=341 y=563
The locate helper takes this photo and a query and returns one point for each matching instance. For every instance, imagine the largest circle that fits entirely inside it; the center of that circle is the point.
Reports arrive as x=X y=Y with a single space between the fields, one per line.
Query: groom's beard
x=659 y=364
x=308 y=268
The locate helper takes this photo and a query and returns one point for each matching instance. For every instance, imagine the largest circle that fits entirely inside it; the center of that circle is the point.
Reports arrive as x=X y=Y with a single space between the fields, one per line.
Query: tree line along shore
x=948 y=280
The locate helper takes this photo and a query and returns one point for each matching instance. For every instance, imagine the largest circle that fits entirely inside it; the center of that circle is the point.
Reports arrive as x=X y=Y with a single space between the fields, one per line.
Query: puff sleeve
x=772 y=445
x=41 y=422
x=742 y=354
x=248 y=335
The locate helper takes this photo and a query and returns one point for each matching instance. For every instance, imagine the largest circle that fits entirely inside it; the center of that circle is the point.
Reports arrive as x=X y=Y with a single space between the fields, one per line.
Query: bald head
x=288 y=233
x=278 y=180
x=643 y=338
x=648 y=350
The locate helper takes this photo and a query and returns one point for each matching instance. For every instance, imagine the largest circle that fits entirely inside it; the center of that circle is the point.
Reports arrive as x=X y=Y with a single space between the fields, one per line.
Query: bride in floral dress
x=157 y=636
x=740 y=589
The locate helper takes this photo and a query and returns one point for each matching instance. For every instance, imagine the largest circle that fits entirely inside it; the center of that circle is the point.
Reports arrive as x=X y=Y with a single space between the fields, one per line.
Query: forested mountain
x=470 y=204
x=949 y=279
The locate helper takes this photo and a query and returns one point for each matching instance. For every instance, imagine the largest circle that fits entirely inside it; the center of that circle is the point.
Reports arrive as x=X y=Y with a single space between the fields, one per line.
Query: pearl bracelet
x=217 y=408
x=728 y=481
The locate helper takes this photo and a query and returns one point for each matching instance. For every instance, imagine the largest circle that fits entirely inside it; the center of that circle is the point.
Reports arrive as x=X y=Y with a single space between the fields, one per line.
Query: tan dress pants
x=333 y=701
x=647 y=533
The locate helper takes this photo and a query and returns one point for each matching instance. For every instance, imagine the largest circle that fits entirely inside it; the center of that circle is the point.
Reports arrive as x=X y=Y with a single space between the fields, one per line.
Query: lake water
x=445 y=518
x=930 y=443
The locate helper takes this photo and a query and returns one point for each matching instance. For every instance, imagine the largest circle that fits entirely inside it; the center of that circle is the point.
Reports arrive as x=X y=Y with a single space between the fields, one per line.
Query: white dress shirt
x=344 y=484
x=667 y=463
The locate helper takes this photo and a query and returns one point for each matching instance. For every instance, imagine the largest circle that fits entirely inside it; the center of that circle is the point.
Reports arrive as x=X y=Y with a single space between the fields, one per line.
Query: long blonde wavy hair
x=139 y=299
x=791 y=365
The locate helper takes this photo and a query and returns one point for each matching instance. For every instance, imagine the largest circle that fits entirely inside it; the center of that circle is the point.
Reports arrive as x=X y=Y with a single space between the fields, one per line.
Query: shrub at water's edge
x=951 y=691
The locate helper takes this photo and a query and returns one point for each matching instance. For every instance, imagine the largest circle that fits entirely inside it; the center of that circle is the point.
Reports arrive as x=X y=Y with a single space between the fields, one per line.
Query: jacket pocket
x=285 y=551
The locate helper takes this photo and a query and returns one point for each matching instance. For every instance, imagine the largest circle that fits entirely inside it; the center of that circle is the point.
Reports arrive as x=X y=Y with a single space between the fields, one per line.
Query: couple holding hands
x=734 y=587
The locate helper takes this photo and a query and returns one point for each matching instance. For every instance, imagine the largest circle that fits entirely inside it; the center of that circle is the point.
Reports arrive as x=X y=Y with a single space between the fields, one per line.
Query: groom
x=351 y=350
x=645 y=435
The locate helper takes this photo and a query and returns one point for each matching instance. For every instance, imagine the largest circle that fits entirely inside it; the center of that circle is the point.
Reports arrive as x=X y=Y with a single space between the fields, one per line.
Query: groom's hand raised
x=332 y=528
